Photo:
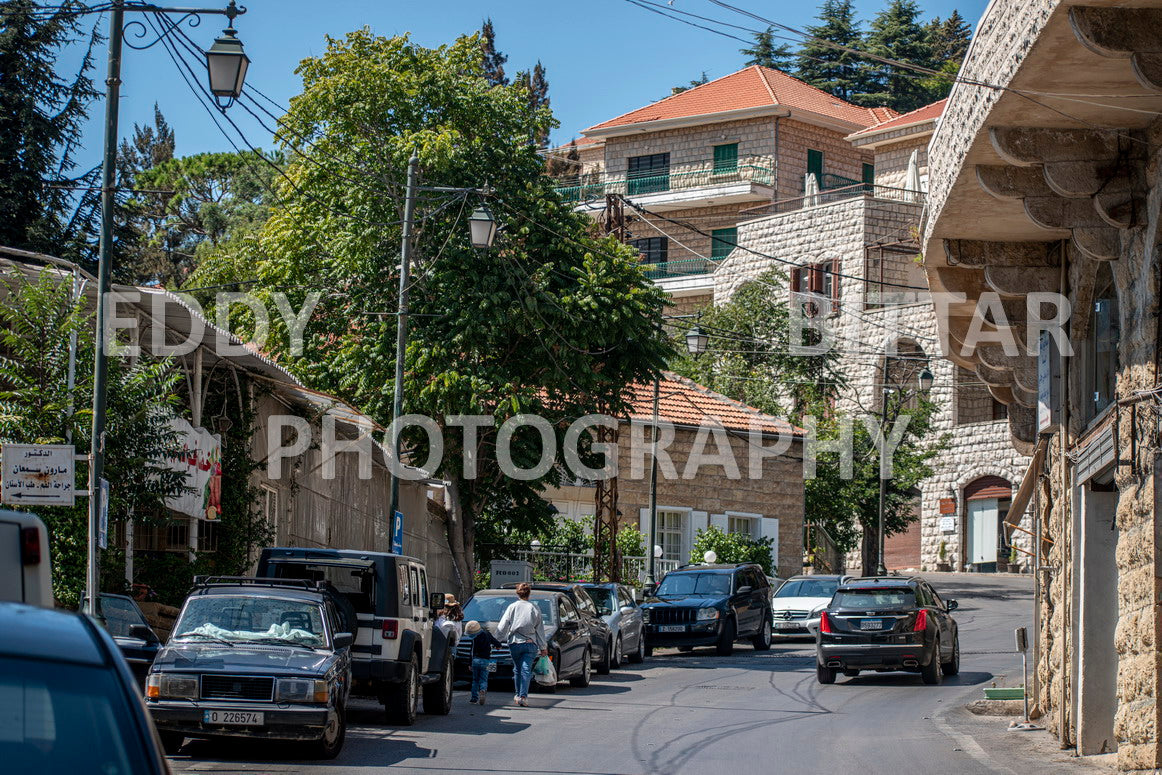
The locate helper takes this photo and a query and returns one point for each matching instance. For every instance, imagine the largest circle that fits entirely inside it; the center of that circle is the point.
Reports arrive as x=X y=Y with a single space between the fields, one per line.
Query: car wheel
x=400 y=700
x=725 y=645
x=438 y=696
x=826 y=675
x=604 y=666
x=639 y=656
x=647 y=651
x=615 y=660
x=931 y=671
x=331 y=743
x=582 y=680
x=171 y=742
x=952 y=666
x=762 y=641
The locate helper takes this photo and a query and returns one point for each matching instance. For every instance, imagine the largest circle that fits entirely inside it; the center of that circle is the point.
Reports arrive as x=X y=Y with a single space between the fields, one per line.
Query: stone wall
x=892 y=160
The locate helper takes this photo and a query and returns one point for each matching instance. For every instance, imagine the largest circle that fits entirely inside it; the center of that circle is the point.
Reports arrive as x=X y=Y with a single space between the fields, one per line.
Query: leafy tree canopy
x=733 y=547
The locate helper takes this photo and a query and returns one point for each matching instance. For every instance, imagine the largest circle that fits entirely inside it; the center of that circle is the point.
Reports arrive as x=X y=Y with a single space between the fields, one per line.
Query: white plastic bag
x=548 y=676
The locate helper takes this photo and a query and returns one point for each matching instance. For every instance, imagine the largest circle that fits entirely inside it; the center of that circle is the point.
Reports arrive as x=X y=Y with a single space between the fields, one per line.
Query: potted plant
x=1014 y=561
x=942 y=566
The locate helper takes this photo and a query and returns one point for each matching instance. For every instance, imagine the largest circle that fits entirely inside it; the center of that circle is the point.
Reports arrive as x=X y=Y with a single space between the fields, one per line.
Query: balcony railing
x=753 y=169
x=681 y=268
x=832 y=195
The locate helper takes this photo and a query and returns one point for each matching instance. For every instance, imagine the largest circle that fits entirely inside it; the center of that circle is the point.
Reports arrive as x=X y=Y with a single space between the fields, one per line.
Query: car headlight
x=706 y=614
x=300 y=690
x=171 y=686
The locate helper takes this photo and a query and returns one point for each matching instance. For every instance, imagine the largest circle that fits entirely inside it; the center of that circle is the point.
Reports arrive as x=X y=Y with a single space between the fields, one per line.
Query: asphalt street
x=698 y=713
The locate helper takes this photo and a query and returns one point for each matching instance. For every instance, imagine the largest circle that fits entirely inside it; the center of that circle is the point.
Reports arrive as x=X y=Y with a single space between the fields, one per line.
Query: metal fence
x=752 y=169
x=558 y=563
x=836 y=194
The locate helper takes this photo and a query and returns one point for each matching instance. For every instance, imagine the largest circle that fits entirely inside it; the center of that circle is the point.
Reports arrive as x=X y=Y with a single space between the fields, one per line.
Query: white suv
x=25 y=570
x=398 y=654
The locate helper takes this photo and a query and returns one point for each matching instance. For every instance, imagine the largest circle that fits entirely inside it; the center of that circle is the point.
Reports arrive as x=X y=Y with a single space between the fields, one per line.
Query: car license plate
x=672 y=628
x=786 y=625
x=238 y=718
x=871 y=624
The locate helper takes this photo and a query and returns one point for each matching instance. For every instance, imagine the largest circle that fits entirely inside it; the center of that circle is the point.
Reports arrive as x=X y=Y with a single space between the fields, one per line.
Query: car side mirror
x=143 y=632
x=627 y=609
x=343 y=639
x=436 y=601
x=952 y=605
x=649 y=589
x=745 y=589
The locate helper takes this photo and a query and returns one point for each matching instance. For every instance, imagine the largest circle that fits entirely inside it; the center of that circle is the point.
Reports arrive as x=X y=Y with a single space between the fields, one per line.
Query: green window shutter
x=869 y=174
x=723 y=241
x=815 y=165
x=726 y=158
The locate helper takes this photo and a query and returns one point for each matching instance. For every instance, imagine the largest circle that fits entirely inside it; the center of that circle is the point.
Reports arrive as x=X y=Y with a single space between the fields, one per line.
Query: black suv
x=709 y=605
x=888 y=623
x=600 y=635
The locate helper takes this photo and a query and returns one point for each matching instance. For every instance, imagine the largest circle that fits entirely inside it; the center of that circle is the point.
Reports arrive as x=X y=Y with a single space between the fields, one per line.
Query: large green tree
x=536 y=84
x=551 y=322
x=42 y=113
x=897 y=33
x=827 y=67
x=765 y=53
x=492 y=59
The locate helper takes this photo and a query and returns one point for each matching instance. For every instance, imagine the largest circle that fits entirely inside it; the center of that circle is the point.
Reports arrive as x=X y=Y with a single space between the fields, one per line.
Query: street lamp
x=216 y=60
x=924 y=382
x=226 y=63
x=696 y=341
x=482 y=231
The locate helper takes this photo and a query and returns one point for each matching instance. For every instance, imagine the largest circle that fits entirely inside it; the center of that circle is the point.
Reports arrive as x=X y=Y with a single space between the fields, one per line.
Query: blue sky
x=603 y=57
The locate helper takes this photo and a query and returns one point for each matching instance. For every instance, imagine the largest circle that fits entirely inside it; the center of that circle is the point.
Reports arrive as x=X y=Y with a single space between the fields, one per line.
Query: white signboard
x=200 y=460
x=948 y=524
x=38 y=474
x=508 y=571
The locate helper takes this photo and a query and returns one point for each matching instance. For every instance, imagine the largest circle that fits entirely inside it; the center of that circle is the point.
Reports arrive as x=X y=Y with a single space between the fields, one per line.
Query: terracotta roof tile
x=926 y=113
x=684 y=402
x=752 y=87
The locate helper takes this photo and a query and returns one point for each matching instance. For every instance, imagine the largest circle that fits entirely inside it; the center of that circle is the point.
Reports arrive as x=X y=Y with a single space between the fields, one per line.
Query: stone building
x=698 y=159
x=759 y=493
x=1044 y=184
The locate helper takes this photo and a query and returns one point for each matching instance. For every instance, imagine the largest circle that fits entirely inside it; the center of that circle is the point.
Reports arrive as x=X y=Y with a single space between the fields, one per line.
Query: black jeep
x=709 y=605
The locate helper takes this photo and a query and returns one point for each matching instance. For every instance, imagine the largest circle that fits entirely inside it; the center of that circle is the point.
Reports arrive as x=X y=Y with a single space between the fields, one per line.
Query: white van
x=25 y=570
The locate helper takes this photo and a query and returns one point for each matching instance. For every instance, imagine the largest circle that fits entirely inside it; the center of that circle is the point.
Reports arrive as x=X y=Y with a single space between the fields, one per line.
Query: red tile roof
x=753 y=87
x=917 y=116
x=684 y=402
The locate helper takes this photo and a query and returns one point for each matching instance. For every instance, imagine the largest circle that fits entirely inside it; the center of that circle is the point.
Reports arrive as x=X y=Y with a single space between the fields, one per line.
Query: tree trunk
x=868 y=546
x=457 y=532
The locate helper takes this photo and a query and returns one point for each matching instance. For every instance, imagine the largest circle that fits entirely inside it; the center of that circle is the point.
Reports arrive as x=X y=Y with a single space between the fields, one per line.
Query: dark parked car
x=600 y=635
x=709 y=605
x=566 y=631
x=68 y=700
x=254 y=657
x=888 y=623
x=618 y=609
x=131 y=632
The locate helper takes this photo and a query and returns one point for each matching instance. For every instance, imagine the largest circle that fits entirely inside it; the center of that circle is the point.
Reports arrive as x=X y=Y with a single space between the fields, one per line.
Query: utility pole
x=401 y=331
x=881 y=568
x=652 y=576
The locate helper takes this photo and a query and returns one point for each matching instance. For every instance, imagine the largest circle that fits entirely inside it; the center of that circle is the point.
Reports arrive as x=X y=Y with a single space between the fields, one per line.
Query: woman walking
x=524 y=630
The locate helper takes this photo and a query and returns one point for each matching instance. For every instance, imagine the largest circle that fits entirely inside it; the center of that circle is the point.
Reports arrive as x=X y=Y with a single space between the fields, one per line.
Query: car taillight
x=30 y=546
x=921 y=621
x=824 y=622
x=390 y=629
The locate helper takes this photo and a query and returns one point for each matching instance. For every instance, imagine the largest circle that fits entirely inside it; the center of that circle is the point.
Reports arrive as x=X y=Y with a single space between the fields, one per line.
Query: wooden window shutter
x=796 y=279
x=834 y=284
x=815 y=279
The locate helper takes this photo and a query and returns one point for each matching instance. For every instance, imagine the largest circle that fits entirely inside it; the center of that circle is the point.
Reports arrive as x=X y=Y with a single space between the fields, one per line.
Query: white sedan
x=796 y=605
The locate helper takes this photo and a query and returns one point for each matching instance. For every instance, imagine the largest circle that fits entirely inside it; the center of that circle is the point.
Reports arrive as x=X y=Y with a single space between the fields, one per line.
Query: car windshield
x=120 y=614
x=252 y=619
x=489 y=608
x=808 y=588
x=694 y=584
x=602 y=598
x=58 y=717
x=874 y=598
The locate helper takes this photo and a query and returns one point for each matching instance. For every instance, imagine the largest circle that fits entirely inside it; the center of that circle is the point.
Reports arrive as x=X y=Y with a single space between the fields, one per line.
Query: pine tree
x=896 y=33
x=949 y=39
x=43 y=116
x=826 y=67
x=694 y=83
x=765 y=53
x=493 y=59
x=537 y=86
x=139 y=251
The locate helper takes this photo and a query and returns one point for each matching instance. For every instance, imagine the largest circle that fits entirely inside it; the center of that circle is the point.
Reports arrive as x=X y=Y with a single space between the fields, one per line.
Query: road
x=699 y=713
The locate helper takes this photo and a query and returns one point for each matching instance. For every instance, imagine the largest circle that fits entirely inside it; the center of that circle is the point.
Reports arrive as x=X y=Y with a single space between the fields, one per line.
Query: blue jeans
x=523 y=656
x=479 y=676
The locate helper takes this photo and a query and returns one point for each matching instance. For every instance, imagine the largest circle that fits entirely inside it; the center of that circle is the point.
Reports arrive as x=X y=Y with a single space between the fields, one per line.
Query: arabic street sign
x=38 y=474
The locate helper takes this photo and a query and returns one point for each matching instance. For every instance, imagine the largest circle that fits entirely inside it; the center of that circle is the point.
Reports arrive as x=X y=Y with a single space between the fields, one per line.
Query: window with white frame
x=742 y=524
x=672 y=534
x=270 y=505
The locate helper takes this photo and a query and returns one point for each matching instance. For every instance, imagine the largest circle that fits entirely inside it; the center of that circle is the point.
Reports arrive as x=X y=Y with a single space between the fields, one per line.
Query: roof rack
x=202 y=582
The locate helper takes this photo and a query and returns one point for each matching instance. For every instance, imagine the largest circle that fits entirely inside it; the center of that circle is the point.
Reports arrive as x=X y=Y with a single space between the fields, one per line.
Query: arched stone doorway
x=985 y=540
